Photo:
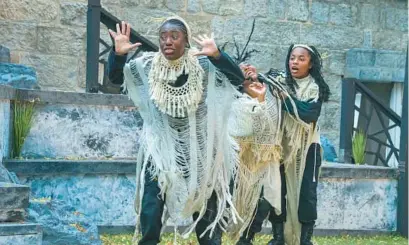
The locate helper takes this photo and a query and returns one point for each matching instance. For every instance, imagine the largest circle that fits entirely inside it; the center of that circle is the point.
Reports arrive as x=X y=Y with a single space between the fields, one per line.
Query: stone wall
x=50 y=35
x=350 y=197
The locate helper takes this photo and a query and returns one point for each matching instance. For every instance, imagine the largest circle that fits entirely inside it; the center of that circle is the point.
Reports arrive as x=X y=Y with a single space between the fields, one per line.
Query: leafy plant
x=358 y=147
x=23 y=116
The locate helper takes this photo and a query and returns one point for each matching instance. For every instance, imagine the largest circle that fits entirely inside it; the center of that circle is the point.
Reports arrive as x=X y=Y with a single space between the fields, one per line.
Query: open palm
x=121 y=38
x=208 y=46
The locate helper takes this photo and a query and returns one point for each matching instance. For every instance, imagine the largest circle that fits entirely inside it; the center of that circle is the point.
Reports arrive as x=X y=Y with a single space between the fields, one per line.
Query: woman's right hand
x=121 y=38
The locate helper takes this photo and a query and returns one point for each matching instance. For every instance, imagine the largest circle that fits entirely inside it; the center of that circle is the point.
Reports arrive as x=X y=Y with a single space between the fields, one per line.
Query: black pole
x=347 y=120
x=403 y=163
x=93 y=23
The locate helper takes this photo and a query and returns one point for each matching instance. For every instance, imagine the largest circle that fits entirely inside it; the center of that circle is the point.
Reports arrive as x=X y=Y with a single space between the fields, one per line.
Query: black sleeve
x=116 y=65
x=229 y=68
x=307 y=111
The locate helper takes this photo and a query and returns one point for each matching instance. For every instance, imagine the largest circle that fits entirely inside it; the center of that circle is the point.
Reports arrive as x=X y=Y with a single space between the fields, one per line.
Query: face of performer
x=300 y=63
x=251 y=82
x=172 y=41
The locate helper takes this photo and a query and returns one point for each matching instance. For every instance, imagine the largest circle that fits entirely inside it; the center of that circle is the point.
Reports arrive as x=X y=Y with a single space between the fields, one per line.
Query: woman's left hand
x=208 y=46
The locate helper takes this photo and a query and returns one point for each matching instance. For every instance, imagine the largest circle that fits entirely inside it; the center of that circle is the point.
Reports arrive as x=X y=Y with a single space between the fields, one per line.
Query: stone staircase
x=14 y=230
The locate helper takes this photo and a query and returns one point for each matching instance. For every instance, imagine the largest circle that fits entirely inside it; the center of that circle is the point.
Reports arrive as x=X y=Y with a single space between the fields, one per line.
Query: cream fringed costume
x=297 y=138
x=186 y=157
x=257 y=128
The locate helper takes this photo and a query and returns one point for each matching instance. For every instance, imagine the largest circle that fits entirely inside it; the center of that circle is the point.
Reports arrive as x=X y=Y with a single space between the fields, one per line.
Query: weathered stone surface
x=28 y=10
x=393 y=59
x=320 y=12
x=395 y=19
x=74 y=14
x=367 y=39
x=229 y=7
x=4 y=54
x=19 y=36
x=82 y=132
x=198 y=25
x=330 y=118
x=18 y=76
x=240 y=28
x=193 y=6
x=276 y=9
x=361 y=57
x=104 y=199
x=62 y=224
x=370 y=16
x=108 y=199
x=147 y=21
x=335 y=84
x=256 y=8
x=338 y=37
x=21 y=240
x=5 y=136
x=14 y=200
x=54 y=40
x=356 y=204
x=145 y=3
x=375 y=65
x=175 y=5
x=342 y=14
x=337 y=62
x=390 y=40
x=297 y=10
x=376 y=74
x=211 y=6
x=54 y=71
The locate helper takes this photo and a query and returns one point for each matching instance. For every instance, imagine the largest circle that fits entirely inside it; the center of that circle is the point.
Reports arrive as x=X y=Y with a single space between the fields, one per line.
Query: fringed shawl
x=190 y=156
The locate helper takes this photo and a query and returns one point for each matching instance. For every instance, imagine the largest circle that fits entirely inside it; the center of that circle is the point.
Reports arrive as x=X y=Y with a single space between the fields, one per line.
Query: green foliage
x=262 y=239
x=23 y=116
x=358 y=147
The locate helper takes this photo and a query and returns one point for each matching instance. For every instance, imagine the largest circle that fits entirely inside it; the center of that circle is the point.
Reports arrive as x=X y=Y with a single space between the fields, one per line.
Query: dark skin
x=252 y=86
x=172 y=42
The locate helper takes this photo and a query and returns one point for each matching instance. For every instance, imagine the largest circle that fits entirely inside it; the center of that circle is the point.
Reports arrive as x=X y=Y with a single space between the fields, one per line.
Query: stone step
x=13 y=202
x=20 y=234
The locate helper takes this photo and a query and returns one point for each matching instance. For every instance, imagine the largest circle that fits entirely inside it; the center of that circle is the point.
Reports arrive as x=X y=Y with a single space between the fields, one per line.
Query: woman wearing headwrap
x=186 y=158
x=301 y=155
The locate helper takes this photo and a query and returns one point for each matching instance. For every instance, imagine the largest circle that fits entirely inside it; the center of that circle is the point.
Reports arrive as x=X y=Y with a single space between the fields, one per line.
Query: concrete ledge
x=266 y=230
x=127 y=166
x=58 y=97
x=352 y=171
x=11 y=229
x=42 y=167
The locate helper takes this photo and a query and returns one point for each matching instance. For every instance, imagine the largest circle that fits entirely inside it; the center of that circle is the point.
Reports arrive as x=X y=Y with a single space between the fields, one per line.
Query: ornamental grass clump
x=358 y=147
x=23 y=116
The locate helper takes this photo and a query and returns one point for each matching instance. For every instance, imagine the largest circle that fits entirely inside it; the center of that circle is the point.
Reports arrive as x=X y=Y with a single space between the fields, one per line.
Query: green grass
x=359 y=146
x=23 y=116
x=167 y=239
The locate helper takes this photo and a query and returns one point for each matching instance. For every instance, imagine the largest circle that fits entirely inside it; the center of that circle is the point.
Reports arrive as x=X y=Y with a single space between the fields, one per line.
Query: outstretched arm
x=117 y=56
x=219 y=59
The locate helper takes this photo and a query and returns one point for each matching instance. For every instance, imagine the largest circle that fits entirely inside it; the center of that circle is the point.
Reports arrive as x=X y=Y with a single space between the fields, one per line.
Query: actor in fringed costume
x=301 y=151
x=186 y=157
x=255 y=123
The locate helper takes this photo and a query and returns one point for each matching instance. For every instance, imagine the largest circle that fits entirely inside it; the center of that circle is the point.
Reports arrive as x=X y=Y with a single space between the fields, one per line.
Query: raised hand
x=121 y=39
x=208 y=46
x=257 y=90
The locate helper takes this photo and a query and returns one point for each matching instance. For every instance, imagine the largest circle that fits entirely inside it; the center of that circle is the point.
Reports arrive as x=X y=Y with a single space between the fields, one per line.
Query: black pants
x=152 y=210
x=307 y=210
